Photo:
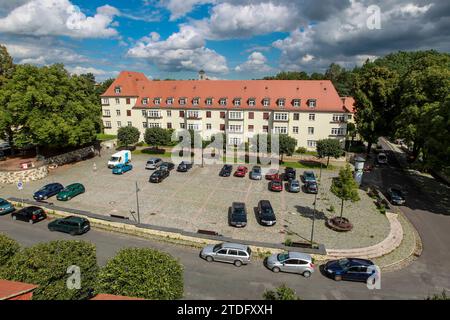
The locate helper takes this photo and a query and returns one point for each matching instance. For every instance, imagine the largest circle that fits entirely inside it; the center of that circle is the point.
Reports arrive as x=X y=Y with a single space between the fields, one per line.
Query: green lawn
x=165 y=154
x=307 y=165
x=105 y=137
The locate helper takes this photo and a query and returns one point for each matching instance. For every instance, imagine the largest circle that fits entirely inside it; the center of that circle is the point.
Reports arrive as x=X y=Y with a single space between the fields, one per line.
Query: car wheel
x=14 y=218
x=30 y=221
x=337 y=278
x=209 y=259
x=276 y=269
x=68 y=198
x=45 y=198
x=238 y=263
x=307 y=274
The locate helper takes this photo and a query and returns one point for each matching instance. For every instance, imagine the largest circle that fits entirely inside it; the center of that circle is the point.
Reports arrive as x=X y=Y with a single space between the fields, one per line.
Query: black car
x=238 y=215
x=30 y=214
x=184 y=166
x=265 y=212
x=159 y=175
x=167 y=166
x=48 y=191
x=396 y=196
x=311 y=187
x=352 y=269
x=72 y=225
x=226 y=170
x=289 y=174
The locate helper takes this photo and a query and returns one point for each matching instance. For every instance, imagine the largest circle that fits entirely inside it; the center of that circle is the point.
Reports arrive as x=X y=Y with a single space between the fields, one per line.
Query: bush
x=46 y=265
x=140 y=144
x=281 y=293
x=302 y=150
x=288 y=242
x=8 y=248
x=143 y=273
x=128 y=135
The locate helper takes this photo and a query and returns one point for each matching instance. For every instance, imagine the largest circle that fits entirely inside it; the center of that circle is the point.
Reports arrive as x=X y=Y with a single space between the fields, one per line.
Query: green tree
x=128 y=135
x=6 y=65
x=287 y=145
x=157 y=137
x=290 y=75
x=46 y=265
x=328 y=148
x=143 y=273
x=342 y=79
x=345 y=187
x=8 y=248
x=281 y=293
x=441 y=296
x=351 y=133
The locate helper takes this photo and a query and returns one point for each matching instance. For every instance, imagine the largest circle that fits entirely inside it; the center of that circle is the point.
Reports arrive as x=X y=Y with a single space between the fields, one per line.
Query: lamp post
x=137 y=203
x=359 y=169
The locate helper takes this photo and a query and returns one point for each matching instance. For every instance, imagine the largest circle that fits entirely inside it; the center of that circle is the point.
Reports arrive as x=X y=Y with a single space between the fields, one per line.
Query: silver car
x=293 y=186
x=256 y=173
x=235 y=253
x=153 y=163
x=293 y=262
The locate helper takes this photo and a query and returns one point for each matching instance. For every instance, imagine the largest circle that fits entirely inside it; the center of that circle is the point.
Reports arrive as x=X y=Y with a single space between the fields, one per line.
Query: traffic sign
x=20 y=185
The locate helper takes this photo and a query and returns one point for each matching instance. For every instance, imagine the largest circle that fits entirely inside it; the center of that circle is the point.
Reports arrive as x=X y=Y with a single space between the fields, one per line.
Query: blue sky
x=230 y=39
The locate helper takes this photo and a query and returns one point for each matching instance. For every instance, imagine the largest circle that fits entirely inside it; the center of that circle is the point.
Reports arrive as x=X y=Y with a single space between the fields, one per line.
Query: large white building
x=308 y=110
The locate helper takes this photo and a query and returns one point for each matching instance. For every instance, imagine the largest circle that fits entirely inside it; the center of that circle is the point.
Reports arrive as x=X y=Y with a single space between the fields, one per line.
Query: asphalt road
x=203 y=280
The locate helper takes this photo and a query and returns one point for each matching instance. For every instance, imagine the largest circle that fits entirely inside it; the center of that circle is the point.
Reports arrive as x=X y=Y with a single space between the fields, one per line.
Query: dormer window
x=281 y=103
x=266 y=102
x=157 y=101
x=296 y=103
x=209 y=101
x=237 y=102
x=145 y=101
x=182 y=101
x=169 y=101
x=312 y=103
x=196 y=101
x=223 y=101
x=118 y=90
x=252 y=102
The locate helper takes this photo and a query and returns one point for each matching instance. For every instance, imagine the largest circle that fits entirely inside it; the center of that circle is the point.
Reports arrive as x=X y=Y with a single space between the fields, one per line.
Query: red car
x=272 y=174
x=276 y=185
x=241 y=172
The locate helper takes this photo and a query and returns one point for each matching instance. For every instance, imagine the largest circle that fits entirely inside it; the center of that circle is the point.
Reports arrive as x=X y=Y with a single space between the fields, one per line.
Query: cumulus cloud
x=256 y=63
x=59 y=18
x=180 y=8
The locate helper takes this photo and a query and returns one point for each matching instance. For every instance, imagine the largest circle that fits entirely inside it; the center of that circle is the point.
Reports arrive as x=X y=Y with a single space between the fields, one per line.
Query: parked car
x=241 y=171
x=265 y=213
x=293 y=262
x=226 y=170
x=122 y=168
x=311 y=187
x=293 y=186
x=396 y=196
x=2 y=155
x=238 y=215
x=70 y=191
x=276 y=185
x=29 y=214
x=153 y=163
x=6 y=207
x=237 y=254
x=308 y=176
x=184 y=166
x=48 y=191
x=352 y=269
x=289 y=174
x=382 y=158
x=256 y=173
x=72 y=225
x=159 y=175
x=272 y=174
x=169 y=166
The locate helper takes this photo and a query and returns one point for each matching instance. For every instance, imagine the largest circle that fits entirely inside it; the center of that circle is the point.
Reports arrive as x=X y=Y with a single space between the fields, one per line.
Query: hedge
x=8 y=248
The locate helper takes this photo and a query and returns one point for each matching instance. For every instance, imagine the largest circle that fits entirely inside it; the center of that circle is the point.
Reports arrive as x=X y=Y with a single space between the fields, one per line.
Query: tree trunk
x=328 y=161
x=369 y=147
x=342 y=207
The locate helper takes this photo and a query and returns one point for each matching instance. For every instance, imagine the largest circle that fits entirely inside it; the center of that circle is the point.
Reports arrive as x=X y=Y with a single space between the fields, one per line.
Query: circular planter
x=339 y=224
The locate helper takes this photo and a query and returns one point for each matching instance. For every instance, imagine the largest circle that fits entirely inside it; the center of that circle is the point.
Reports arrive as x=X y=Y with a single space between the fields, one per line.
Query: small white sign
x=20 y=185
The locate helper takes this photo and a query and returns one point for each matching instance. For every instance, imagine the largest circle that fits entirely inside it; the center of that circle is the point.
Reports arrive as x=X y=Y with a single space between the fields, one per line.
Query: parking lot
x=199 y=199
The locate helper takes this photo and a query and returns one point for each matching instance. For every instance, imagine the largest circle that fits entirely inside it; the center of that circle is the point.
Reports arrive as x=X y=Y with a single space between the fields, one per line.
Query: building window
x=222 y=115
x=154 y=114
x=144 y=101
x=196 y=101
x=193 y=115
x=266 y=116
x=235 y=115
x=312 y=103
x=105 y=101
x=118 y=112
x=144 y=113
x=252 y=102
x=295 y=130
x=251 y=128
x=208 y=114
x=234 y=128
x=235 y=141
x=117 y=101
x=157 y=101
x=281 y=116
x=251 y=115
x=154 y=125
x=265 y=129
x=223 y=101
x=222 y=127
x=208 y=126
x=280 y=130
x=118 y=90
x=311 y=130
x=145 y=125
x=169 y=125
x=182 y=126
x=209 y=101
x=281 y=103
x=296 y=116
x=108 y=124
x=312 y=143
x=296 y=103
x=266 y=102
x=128 y=101
x=181 y=114
x=106 y=113
x=312 y=117
x=169 y=101
x=338 y=118
x=338 y=132
x=119 y=124
x=237 y=102
x=130 y=124
x=182 y=101
x=349 y=117
x=128 y=113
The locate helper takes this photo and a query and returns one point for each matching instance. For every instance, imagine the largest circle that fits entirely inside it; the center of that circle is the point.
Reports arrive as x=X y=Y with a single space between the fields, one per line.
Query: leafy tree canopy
x=128 y=135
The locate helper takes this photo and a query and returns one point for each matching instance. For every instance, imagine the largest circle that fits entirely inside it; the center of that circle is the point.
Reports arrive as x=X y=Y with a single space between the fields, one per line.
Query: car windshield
x=45 y=188
x=217 y=247
x=294 y=183
x=276 y=182
x=283 y=256
x=115 y=159
x=257 y=170
x=239 y=211
x=344 y=263
x=2 y=202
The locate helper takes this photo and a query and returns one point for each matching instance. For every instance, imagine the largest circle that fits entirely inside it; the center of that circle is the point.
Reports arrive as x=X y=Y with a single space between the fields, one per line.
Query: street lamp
x=137 y=203
x=359 y=169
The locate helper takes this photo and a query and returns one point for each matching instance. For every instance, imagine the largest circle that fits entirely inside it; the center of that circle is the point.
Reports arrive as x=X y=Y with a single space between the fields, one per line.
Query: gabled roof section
x=11 y=289
x=132 y=84
x=349 y=104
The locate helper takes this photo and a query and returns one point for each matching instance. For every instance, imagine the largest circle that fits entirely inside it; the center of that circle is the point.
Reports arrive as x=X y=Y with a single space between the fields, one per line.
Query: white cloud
x=96 y=72
x=179 y=8
x=256 y=63
x=414 y=9
x=59 y=18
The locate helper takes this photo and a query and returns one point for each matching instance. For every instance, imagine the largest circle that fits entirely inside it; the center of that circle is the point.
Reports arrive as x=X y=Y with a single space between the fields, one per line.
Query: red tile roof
x=349 y=104
x=11 y=289
x=104 y=296
x=137 y=85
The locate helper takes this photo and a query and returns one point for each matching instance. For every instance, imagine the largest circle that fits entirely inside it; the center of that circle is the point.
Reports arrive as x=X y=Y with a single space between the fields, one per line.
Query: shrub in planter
x=143 y=273
x=47 y=265
x=288 y=242
x=281 y=293
x=8 y=248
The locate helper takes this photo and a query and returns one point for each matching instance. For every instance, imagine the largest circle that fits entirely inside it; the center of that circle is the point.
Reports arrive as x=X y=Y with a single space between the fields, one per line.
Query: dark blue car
x=351 y=269
x=48 y=191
